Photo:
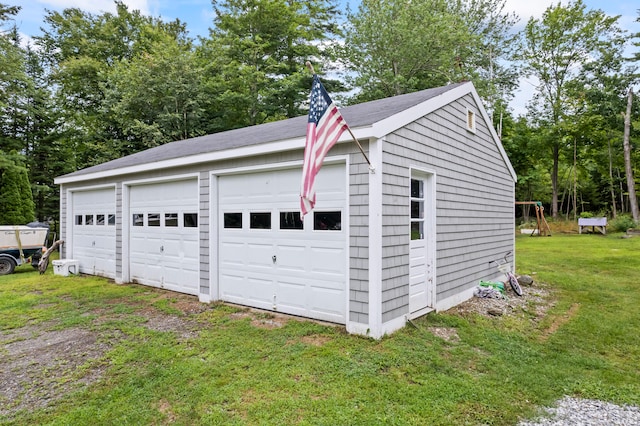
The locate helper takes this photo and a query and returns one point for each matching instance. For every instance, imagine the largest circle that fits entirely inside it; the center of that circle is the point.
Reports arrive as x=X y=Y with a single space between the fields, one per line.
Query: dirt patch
x=262 y=319
x=316 y=340
x=46 y=365
x=535 y=299
x=184 y=328
x=560 y=321
x=41 y=364
x=446 y=333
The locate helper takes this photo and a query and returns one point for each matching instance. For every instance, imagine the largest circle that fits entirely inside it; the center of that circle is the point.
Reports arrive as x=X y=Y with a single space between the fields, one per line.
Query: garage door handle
x=274 y=258
x=161 y=249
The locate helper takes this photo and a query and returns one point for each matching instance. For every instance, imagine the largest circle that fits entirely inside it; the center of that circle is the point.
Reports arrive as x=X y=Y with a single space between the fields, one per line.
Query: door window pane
x=138 y=219
x=88 y=219
x=327 y=221
x=260 y=221
x=153 y=219
x=290 y=220
x=78 y=219
x=417 y=230
x=112 y=219
x=99 y=219
x=233 y=220
x=417 y=209
x=191 y=220
x=417 y=188
x=171 y=219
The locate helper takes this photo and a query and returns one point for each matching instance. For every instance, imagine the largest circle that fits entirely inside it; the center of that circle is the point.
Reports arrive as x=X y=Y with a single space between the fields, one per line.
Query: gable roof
x=369 y=119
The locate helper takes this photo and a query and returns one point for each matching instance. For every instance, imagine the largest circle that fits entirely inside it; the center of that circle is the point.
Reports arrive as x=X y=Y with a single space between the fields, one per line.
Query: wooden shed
x=218 y=216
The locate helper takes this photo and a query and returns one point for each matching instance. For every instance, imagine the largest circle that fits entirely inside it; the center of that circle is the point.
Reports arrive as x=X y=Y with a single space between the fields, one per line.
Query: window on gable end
x=471 y=121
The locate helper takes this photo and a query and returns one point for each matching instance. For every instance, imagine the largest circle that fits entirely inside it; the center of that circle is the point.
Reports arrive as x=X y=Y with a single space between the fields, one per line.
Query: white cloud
x=528 y=9
x=95 y=6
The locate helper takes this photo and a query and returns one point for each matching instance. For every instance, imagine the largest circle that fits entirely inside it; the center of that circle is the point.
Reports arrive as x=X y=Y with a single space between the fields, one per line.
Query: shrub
x=586 y=215
x=621 y=223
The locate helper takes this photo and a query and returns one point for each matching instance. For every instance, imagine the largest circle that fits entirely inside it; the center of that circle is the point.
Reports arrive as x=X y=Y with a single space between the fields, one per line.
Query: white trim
x=390 y=124
x=358 y=328
x=214 y=238
x=391 y=326
x=375 y=239
x=456 y=299
x=347 y=239
x=154 y=180
x=381 y=331
x=420 y=312
x=494 y=135
x=431 y=198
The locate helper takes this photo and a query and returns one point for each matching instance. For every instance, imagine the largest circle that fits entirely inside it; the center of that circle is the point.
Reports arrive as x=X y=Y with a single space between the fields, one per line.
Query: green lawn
x=167 y=359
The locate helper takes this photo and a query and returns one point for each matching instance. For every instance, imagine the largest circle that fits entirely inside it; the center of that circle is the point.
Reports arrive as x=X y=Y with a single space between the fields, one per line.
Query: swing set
x=542 y=225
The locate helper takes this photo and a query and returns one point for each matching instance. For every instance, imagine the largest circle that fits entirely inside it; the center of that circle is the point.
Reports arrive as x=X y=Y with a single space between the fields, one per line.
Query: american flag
x=324 y=127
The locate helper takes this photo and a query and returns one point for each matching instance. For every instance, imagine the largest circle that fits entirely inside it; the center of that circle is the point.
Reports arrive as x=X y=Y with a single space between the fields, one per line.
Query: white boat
x=16 y=237
x=18 y=244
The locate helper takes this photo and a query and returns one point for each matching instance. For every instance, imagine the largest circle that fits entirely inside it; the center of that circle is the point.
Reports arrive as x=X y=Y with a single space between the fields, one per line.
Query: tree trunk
x=575 y=179
x=554 y=181
x=44 y=260
x=613 y=193
x=631 y=186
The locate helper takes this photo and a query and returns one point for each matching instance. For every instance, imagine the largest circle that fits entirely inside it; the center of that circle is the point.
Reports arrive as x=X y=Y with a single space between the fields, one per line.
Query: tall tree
x=257 y=50
x=16 y=202
x=394 y=47
x=156 y=97
x=631 y=186
x=83 y=50
x=555 y=49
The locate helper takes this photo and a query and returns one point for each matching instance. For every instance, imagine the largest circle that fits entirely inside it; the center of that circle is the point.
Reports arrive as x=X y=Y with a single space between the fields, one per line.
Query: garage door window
x=191 y=220
x=260 y=221
x=327 y=221
x=171 y=219
x=153 y=219
x=290 y=220
x=112 y=220
x=78 y=219
x=233 y=220
x=88 y=219
x=138 y=219
x=100 y=219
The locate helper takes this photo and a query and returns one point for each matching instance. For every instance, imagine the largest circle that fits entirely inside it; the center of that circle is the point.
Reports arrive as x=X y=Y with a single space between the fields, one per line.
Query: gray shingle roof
x=361 y=115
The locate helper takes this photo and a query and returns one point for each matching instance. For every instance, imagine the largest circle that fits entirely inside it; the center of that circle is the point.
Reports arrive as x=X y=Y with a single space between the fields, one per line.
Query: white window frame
x=470 y=120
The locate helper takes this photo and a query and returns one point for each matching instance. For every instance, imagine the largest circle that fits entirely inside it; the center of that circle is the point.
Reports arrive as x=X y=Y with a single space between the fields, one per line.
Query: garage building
x=218 y=216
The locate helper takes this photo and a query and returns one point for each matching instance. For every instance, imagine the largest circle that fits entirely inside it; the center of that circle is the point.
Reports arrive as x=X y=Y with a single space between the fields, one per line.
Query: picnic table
x=596 y=223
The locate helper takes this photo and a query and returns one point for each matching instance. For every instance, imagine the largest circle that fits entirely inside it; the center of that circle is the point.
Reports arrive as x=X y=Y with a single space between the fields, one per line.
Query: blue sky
x=198 y=15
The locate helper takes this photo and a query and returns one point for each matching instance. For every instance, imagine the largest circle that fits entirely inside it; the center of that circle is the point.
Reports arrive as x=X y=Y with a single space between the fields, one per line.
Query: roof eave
x=362 y=133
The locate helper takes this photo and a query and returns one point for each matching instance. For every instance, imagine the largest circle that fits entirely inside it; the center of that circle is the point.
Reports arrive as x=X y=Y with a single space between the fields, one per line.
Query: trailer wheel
x=6 y=266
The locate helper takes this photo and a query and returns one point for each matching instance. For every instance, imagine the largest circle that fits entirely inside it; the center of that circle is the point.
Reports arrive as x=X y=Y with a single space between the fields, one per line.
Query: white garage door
x=94 y=231
x=272 y=260
x=164 y=238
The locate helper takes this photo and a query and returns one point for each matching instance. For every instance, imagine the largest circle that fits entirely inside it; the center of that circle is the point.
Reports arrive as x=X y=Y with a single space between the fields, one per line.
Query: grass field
x=134 y=355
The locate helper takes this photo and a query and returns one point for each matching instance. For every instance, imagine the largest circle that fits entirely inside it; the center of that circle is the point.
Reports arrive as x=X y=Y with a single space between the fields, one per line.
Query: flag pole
x=371 y=168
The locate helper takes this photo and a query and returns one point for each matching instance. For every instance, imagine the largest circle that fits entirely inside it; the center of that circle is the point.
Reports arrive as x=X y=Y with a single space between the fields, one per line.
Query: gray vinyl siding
x=474 y=203
x=203 y=194
x=118 y=229
x=63 y=221
x=358 y=239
